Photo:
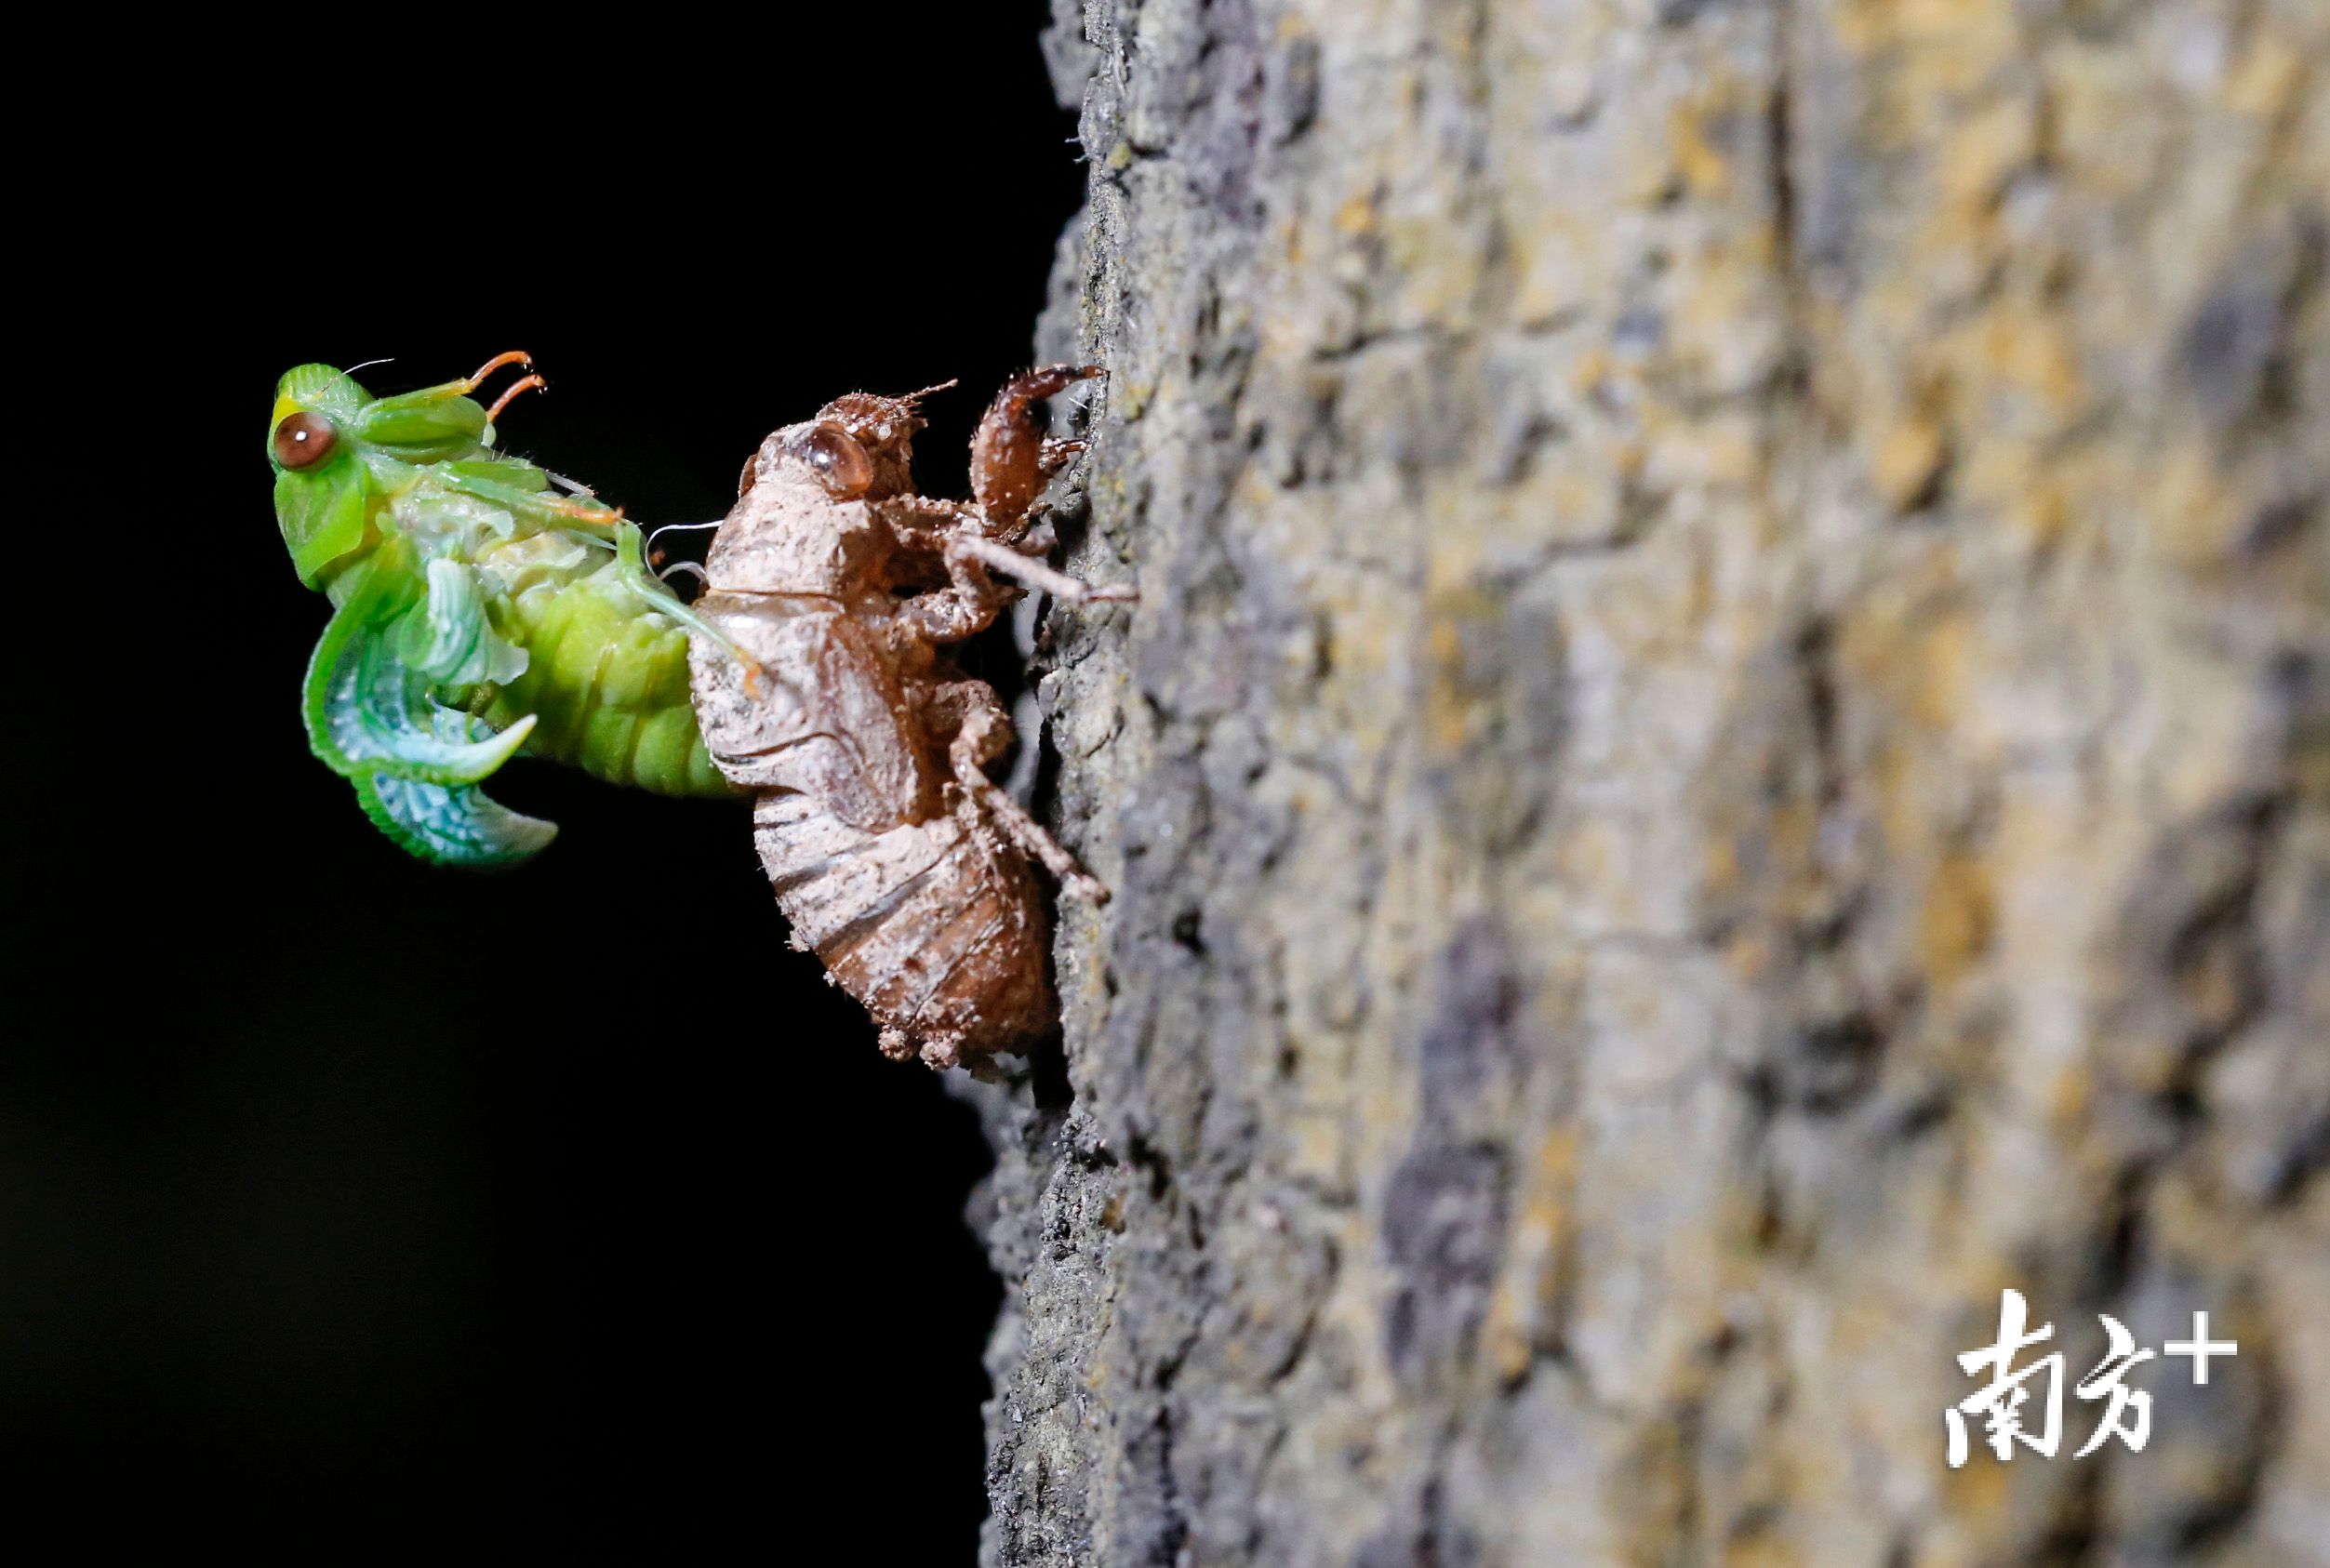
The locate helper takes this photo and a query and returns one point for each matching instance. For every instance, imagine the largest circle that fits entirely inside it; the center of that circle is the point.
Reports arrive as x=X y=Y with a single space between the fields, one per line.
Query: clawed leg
x=982 y=735
x=1008 y=452
x=1056 y=453
x=1035 y=573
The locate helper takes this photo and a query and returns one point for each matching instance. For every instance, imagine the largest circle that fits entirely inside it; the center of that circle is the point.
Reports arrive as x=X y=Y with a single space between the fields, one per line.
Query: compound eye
x=303 y=440
x=839 y=462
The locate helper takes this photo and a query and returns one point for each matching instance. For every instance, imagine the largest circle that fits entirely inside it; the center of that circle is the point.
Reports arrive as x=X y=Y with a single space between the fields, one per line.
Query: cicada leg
x=515 y=388
x=607 y=523
x=423 y=396
x=1057 y=453
x=534 y=506
x=509 y=356
x=630 y=564
x=1010 y=453
x=1035 y=573
x=984 y=733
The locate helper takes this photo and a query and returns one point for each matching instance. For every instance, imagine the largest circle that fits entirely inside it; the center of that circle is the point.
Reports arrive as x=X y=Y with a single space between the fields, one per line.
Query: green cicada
x=481 y=607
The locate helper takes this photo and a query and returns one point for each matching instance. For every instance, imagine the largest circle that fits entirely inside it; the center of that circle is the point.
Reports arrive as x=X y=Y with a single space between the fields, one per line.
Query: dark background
x=346 y=1202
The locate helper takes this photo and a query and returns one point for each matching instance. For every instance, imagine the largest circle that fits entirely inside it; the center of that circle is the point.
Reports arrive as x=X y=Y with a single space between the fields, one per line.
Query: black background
x=346 y=1202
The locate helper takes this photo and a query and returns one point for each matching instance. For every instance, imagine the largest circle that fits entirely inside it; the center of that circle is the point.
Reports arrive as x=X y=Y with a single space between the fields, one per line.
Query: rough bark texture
x=1727 y=750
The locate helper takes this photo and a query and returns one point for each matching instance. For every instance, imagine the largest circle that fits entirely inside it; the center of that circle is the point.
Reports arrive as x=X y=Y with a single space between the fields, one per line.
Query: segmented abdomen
x=607 y=679
x=942 y=937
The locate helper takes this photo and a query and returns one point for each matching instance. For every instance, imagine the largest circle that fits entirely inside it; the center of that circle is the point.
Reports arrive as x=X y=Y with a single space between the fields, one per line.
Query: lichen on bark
x=1727 y=750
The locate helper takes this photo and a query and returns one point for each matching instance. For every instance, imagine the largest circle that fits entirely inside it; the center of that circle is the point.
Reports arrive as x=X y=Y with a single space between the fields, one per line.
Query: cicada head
x=883 y=428
x=331 y=441
x=320 y=479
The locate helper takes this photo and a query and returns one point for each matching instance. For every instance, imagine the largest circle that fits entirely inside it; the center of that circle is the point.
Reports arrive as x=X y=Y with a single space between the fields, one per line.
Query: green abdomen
x=607 y=679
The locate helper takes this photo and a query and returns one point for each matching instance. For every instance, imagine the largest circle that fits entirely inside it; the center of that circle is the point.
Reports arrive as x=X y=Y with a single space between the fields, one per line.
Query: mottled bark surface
x=1726 y=752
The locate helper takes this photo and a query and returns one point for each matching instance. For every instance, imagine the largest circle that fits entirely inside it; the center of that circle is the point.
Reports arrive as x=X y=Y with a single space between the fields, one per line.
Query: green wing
x=452 y=826
x=370 y=716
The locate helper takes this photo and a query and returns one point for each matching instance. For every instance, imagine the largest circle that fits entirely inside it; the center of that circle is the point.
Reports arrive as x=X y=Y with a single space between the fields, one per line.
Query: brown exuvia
x=892 y=853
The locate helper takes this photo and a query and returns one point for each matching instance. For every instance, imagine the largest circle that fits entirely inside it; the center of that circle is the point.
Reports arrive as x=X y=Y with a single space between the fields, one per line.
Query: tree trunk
x=1726 y=753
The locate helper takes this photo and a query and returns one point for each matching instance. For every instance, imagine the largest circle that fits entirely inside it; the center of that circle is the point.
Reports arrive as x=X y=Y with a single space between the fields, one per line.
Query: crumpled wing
x=414 y=761
x=457 y=826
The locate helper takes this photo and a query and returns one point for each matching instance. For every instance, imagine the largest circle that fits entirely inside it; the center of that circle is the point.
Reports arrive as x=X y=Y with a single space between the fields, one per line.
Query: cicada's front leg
x=1057 y=453
x=540 y=508
x=922 y=521
x=1010 y=457
x=443 y=415
x=921 y=526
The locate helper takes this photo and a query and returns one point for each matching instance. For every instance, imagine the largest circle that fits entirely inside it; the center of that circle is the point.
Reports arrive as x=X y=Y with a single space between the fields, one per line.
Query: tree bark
x=1726 y=752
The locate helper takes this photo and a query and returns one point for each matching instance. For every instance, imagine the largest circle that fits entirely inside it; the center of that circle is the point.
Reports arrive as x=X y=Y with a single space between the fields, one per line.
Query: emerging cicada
x=484 y=606
x=480 y=606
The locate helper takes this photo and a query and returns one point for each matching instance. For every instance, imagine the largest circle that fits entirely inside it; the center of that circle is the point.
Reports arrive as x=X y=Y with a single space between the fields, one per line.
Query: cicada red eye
x=838 y=462
x=302 y=440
